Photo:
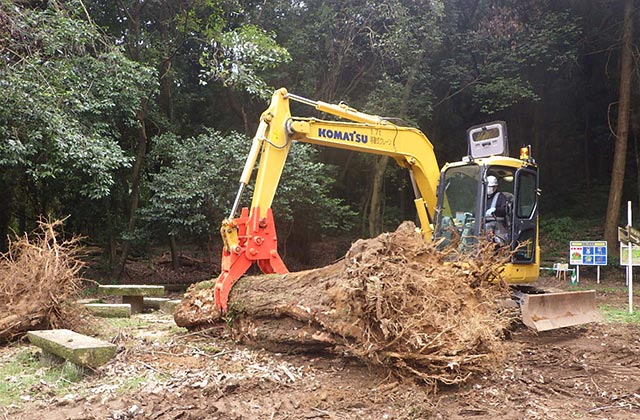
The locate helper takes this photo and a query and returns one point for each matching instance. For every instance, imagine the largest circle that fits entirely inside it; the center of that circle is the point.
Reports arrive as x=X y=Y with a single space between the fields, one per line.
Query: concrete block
x=131 y=290
x=77 y=348
x=133 y=294
x=154 y=302
x=169 y=307
x=109 y=310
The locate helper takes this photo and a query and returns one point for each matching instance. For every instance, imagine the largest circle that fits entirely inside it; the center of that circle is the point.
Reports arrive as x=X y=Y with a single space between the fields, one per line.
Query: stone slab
x=109 y=310
x=131 y=290
x=88 y=300
x=154 y=302
x=77 y=348
x=169 y=307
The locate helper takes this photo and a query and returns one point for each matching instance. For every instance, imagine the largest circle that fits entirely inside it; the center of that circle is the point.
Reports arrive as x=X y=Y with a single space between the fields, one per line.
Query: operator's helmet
x=492 y=184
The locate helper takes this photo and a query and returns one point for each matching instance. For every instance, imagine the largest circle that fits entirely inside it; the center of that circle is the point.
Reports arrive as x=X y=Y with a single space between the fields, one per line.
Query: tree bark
x=135 y=195
x=175 y=258
x=280 y=313
x=586 y=150
x=165 y=97
x=637 y=161
x=622 y=131
x=6 y=211
x=377 y=196
x=376 y=219
x=635 y=133
x=134 y=14
x=240 y=111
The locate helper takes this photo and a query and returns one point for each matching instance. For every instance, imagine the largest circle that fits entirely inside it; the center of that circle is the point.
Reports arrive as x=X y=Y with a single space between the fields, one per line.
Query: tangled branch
x=39 y=280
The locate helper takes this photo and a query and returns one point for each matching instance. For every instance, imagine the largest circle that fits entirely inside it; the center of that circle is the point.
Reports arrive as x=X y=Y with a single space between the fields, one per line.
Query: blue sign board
x=588 y=253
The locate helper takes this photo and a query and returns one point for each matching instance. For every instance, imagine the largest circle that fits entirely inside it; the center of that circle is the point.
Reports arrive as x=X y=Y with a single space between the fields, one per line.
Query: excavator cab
x=465 y=206
x=459 y=204
x=489 y=194
x=466 y=211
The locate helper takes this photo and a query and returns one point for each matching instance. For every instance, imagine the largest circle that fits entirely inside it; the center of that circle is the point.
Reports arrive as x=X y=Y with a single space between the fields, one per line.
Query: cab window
x=526 y=195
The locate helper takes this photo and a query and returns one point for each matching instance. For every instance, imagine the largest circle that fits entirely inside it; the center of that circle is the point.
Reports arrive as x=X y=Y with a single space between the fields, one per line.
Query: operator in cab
x=496 y=215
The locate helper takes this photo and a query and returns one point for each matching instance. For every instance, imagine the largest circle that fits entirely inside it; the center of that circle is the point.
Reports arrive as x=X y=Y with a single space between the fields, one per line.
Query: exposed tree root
x=393 y=301
x=39 y=280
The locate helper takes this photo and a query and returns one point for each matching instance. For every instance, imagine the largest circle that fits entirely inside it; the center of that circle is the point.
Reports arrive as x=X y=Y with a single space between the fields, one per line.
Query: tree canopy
x=134 y=117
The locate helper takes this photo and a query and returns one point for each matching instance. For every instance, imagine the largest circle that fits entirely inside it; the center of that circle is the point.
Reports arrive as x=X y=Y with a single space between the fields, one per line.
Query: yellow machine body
x=449 y=201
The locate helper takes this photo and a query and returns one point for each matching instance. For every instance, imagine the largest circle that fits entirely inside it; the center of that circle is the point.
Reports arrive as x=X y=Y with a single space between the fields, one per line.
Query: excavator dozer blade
x=549 y=311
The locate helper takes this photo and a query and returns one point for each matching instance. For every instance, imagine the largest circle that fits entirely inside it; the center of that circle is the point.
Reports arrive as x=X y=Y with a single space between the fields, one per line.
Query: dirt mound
x=392 y=301
x=38 y=280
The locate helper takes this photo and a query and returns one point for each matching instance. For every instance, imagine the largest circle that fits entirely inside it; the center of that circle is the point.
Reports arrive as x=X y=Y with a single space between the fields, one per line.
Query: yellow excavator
x=451 y=201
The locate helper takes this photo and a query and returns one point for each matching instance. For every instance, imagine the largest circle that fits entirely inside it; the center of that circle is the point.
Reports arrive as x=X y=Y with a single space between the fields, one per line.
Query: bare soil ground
x=163 y=372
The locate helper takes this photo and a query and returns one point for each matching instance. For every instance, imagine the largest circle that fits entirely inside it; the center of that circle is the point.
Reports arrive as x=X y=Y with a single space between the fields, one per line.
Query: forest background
x=132 y=119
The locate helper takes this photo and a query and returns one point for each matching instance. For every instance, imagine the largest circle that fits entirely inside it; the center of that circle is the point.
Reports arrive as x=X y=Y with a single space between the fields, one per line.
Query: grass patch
x=133 y=383
x=26 y=375
x=209 y=348
x=207 y=284
x=129 y=384
x=174 y=329
x=603 y=289
x=128 y=323
x=123 y=327
x=617 y=315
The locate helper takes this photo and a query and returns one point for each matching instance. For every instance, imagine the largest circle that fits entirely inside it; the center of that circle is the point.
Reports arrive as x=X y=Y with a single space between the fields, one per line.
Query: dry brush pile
x=392 y=301
x=39 y=280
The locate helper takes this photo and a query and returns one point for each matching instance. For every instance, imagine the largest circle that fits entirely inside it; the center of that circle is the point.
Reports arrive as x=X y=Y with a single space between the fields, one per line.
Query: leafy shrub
x=556 y=233
x=197 y=180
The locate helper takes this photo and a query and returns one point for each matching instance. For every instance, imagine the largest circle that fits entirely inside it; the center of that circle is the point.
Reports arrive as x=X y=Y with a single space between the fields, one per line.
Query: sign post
x=630 y=258
x=587 y=253
x=629 y=251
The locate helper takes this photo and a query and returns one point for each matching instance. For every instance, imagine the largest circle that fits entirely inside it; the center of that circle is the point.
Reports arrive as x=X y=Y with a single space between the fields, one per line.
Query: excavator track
x=544 y=310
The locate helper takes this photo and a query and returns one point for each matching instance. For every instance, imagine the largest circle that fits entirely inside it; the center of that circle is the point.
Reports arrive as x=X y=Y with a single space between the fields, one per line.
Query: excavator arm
x=251 y=237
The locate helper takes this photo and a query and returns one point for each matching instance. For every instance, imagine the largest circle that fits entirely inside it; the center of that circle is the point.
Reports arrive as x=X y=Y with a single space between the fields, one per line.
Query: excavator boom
x=453 y=199
x=251 y=237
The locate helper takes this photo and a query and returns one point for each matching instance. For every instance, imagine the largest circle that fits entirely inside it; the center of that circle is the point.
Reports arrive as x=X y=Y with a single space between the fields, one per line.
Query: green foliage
x=68 y=97
x=74 y=98
x=196 y=185
x=239 y=58
x=561 y=229
x=409 y=33
x=557 y=232
x=304 y=194
x=497 y=55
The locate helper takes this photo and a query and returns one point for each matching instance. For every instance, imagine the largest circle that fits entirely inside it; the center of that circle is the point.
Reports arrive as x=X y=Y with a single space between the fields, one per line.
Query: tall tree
x=69 y=94
x=415 y=26
x=205 y=48
x=622 y=128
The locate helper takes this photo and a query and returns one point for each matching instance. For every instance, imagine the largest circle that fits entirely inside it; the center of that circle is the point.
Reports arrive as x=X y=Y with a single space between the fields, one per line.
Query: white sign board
x=635 y=255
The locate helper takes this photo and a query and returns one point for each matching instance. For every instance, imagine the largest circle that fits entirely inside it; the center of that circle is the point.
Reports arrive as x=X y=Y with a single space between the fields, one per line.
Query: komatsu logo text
x=353 y=136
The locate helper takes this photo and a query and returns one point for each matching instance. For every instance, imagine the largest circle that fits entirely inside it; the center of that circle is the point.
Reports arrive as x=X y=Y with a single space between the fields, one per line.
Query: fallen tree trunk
x=391 y=301
x=281 y=312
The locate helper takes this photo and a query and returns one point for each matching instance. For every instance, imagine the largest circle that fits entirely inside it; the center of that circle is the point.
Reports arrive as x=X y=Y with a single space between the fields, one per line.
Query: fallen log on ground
x=391 y=301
